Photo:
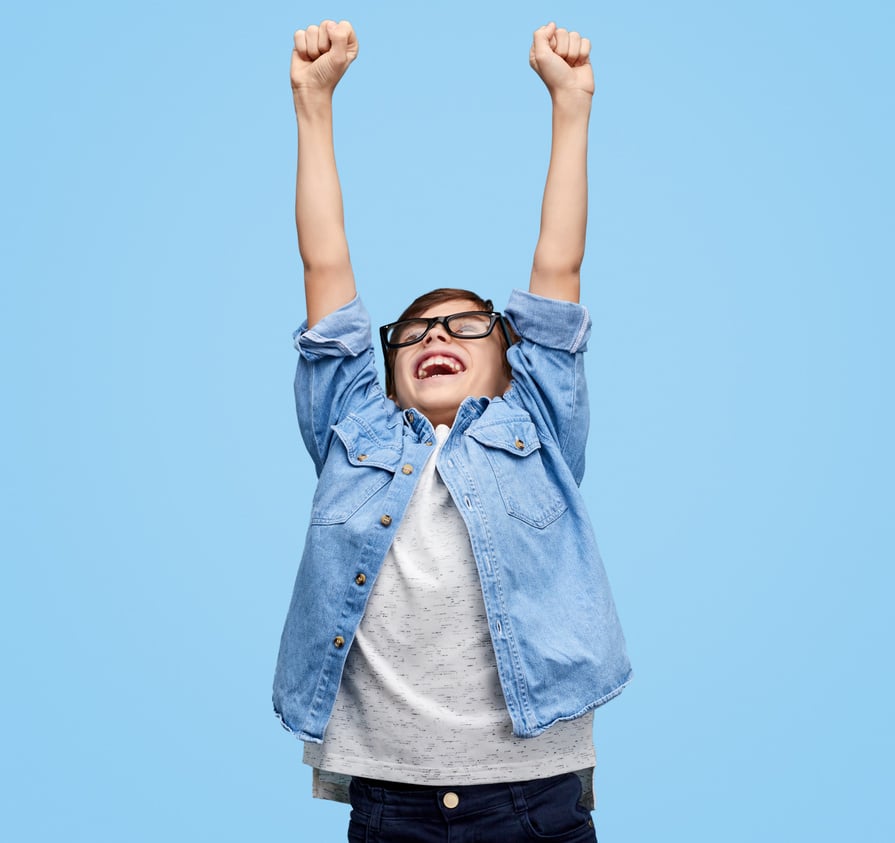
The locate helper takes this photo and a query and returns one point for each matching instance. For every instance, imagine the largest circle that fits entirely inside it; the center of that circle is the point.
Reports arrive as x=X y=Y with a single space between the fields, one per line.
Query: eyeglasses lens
x=408 y=331
x=470 y=325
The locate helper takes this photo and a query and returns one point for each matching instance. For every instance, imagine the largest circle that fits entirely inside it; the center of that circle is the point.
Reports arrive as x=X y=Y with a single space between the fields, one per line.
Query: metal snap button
x=407 y=468
x=360 y=579
x=385 y=520
x=338 y=642
x=450 y=800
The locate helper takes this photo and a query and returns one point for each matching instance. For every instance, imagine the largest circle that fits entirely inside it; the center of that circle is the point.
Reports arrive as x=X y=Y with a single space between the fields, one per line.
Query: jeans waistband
x=451 y=801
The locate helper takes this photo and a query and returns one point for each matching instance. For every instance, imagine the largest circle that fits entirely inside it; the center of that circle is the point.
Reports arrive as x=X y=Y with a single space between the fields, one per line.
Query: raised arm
x=562 y=60
x=320 y=58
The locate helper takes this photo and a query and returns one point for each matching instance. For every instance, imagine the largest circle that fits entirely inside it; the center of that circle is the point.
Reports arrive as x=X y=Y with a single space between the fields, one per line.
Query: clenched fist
x=321 y=56
x=562 y=59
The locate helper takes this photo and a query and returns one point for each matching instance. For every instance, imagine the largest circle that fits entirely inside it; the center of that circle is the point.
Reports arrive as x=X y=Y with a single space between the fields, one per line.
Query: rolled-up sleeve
x=548 y=370
x=343 y=333
x=551 y=323
x=336 y=371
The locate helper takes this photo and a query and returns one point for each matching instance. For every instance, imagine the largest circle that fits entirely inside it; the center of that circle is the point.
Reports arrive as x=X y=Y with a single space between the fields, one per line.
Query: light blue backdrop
x=155 y=491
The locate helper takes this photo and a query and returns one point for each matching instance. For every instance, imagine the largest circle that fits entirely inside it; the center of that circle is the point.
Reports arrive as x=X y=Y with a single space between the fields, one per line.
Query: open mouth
x=439 y=364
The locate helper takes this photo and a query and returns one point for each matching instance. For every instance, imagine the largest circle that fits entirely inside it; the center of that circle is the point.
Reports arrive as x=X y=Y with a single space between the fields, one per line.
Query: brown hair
x=420 y=305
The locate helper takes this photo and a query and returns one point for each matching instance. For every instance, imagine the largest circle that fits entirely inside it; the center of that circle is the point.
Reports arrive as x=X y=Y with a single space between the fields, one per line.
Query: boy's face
x=436 y=374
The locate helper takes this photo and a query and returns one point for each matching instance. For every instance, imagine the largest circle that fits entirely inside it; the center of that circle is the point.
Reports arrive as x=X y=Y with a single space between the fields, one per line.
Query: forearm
x=319 y=217
x=320 y=57
x=560 y=249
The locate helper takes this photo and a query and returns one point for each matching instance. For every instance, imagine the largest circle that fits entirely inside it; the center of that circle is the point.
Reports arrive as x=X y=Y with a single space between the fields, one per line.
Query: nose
x=438 y=331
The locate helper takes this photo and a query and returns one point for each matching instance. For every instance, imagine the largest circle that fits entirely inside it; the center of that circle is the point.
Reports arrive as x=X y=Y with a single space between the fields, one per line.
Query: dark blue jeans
x=541 y=809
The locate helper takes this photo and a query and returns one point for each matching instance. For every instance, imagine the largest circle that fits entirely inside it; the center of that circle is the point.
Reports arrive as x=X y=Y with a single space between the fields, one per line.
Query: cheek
x=499 y=365
x=493 y=376
x=401 y=377
x=399 y=368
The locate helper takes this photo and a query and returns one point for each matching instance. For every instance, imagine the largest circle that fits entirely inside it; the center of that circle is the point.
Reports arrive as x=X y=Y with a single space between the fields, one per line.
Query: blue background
x=155 y=491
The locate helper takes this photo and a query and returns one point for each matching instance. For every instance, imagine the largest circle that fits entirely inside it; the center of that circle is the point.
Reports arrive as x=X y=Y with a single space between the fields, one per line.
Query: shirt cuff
x=552 y=323
x=343 y=333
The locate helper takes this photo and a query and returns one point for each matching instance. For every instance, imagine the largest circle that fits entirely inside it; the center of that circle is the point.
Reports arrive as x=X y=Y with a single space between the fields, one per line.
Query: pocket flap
x=364 y=447
x=514 y=435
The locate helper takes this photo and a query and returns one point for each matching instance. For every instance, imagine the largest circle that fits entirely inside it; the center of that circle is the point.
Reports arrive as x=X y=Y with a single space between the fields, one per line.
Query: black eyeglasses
x=470 y=325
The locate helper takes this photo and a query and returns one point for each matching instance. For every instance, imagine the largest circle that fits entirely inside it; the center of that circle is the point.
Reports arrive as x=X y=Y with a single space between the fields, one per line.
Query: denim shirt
x=512 y=465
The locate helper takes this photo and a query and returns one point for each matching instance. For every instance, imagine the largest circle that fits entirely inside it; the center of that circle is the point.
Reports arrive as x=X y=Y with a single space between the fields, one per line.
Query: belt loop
x=376 y=816
x=518 y=793
x=377 y=800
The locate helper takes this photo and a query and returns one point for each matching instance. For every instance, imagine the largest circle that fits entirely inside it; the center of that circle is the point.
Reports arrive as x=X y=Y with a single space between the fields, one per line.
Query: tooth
x=455 y=366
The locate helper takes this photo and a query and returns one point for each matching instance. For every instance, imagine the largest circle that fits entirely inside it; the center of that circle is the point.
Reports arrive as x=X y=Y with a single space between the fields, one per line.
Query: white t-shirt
x=420 y=699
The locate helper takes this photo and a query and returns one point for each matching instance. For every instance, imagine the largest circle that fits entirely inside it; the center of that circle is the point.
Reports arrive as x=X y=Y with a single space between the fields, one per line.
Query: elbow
x=563 y=258
x=557 y=264
x=564 y=285
x=557 y=275
x=325 y=266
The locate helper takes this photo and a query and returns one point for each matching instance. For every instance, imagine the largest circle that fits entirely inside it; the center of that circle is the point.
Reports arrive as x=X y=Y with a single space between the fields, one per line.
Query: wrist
x=572 y=101
x=312 y=103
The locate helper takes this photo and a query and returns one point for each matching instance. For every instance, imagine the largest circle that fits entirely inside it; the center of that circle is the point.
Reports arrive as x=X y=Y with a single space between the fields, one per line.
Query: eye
x=470 y=324
x=408 y=331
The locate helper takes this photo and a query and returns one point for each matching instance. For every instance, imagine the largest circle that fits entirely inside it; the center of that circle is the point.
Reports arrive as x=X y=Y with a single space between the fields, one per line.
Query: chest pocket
x=514 y=452
x=359 y=464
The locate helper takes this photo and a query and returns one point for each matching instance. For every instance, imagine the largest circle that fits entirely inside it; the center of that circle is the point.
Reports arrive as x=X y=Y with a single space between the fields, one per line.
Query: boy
x=451 y=628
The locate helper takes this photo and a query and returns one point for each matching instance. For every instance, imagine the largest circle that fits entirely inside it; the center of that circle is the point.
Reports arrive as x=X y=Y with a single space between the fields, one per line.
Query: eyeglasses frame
x=497 y=318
